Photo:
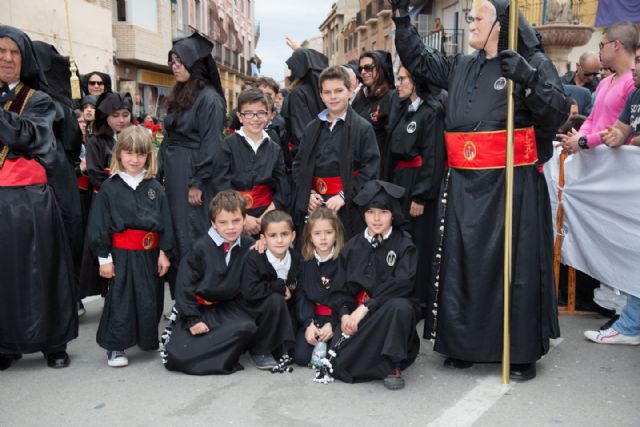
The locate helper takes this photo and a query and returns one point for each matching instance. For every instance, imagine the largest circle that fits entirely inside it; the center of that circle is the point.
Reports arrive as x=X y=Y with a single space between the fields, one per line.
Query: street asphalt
x=579 y=383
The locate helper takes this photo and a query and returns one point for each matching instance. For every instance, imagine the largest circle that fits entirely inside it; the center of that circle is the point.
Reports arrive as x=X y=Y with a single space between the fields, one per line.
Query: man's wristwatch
x=582 y=143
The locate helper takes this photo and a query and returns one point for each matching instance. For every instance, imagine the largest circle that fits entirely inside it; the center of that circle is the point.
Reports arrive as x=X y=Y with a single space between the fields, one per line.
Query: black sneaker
x=453 y=363
x=394 y=380
x=522 y=371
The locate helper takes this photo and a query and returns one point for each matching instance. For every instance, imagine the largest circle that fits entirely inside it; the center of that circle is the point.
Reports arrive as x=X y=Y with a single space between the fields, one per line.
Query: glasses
x=367 y=67
x=602 y=45
x=173 y=62
x=95 y=83
x=251 y=114
x=594 y=74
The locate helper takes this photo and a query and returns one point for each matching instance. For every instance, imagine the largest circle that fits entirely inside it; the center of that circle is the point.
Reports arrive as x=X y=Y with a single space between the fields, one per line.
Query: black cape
x=204 y=273
x=468 y=271
x=387 y=335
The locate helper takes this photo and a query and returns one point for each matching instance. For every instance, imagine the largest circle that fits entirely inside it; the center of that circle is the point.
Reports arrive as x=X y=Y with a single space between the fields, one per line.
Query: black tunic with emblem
x=412 y=134
x=205 y=274
x=241 y=168
x=348 y=150
x=387 y=335
x=134 y=303
x=263 y=297
x=314 y=288
x=469 y=284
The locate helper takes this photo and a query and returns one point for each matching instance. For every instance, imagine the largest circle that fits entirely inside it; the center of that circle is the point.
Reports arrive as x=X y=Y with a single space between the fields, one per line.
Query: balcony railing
x=541 y=12
x=448 y=42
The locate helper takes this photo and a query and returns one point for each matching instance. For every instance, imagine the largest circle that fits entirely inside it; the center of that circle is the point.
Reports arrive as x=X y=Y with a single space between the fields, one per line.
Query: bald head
x=587 y=68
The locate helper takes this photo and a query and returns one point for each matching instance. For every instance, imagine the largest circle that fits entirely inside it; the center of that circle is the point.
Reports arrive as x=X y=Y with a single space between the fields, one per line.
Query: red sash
x=330 y=185
x=204 y=302
x=83 y=182
x=362 y=297
x=258 y=196
x=135 y=240
x=20 y=172
x=487 y=150
x=416 y=162
x=322 y=310
x=108 y=172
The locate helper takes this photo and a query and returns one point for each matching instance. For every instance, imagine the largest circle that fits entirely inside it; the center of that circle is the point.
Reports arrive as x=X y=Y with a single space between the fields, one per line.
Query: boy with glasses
x=250 y=162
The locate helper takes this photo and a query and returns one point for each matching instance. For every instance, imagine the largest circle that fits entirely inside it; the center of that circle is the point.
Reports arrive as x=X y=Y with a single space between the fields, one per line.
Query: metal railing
x=448 y=42
x=542 y=12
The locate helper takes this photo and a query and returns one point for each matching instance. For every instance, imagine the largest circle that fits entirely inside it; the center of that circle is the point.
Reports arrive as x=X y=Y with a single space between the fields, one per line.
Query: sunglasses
x=591 y=74
x=367 y=67
x=95 y=83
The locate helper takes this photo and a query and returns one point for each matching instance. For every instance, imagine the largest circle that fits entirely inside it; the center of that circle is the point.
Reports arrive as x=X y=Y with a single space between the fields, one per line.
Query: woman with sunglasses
x=373 y=101
x=95 y=83
x=194 y=125
x=416 y=151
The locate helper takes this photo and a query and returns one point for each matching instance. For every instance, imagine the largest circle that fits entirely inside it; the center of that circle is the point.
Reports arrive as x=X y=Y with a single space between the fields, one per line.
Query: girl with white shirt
x=130 y=232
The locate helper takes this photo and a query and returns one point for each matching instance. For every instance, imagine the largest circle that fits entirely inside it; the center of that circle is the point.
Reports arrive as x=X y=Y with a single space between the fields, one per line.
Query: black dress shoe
x=58 y=360
x=522 y=371
x=7 y=359
x=454 y=363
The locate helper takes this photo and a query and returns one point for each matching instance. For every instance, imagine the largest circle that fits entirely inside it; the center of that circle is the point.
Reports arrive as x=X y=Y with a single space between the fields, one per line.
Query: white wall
x=143 y=13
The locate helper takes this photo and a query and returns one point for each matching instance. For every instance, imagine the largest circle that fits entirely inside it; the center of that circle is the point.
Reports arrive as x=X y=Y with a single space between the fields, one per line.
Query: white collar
x=370 y=238
x=277 y=261
x=219 y=240
x=328 y=257
x=252 y=143
x=13 y=85
x=415 y=105
x=132 y=181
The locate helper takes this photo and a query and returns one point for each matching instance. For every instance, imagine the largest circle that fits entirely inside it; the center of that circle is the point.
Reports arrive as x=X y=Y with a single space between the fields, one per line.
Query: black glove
x=516 y=68
x=402 y=6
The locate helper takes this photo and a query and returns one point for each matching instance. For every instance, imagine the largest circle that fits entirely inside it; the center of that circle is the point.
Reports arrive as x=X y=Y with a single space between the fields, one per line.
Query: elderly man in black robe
x=37 y=296
x=468 y=267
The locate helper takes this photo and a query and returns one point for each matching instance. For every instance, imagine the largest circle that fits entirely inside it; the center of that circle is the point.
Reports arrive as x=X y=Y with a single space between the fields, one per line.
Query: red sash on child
x=135 y=240
x=83 y=182
x=329 y=185
x=322 y=310
x=416 y=162
x=258 y=196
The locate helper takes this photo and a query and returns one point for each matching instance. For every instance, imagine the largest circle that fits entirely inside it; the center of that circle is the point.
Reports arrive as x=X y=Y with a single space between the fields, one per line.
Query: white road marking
x=466 y=411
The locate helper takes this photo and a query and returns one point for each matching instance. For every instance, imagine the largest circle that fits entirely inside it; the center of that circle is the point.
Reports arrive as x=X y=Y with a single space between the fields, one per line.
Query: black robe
x=387 y=335
x=205 y=273
x=355 y=149
x=98 y=158
x=240 y=168
x=469 y=278
x=411 y=134
x=134 y=303
x=186 y=160
x=376 y=111
x=37 y=297
x=314 y=287
x=263 y=296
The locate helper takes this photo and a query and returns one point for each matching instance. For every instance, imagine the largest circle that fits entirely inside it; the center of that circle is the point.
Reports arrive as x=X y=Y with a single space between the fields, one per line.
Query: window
x=198 y=24
x=121 y=10
x=185 y=14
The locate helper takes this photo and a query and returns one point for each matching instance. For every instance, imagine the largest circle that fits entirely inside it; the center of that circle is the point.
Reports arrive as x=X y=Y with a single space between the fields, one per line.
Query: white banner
x=601 y=201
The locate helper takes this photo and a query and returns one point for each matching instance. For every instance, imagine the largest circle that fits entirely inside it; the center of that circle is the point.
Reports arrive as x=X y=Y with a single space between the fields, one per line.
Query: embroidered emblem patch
x=500 y=84
x=148 y=240
x=469 y=150
x=391 y=258
x=152 y=194
x=321 y=186
x=411 y=127
x=248 y=199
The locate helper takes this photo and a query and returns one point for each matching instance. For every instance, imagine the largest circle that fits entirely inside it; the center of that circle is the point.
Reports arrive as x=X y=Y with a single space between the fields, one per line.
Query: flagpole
x=73 y=68
x=508 y=205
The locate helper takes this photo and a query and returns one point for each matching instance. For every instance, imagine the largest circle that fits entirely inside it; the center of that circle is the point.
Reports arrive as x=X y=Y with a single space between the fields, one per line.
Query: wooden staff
x=508 y=199
x=75 y=82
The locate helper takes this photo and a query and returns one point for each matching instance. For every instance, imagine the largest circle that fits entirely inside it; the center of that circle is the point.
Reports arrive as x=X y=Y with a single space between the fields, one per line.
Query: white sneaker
x=117 y=359
x=611 y=336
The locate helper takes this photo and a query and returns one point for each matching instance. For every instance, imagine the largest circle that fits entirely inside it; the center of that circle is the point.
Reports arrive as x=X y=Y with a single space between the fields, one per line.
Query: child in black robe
x=212 y=329
x=251 y=163
x=338 y=155
x=322 y=241
x=130 y=233
x=374 y=297
x=268 y=281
